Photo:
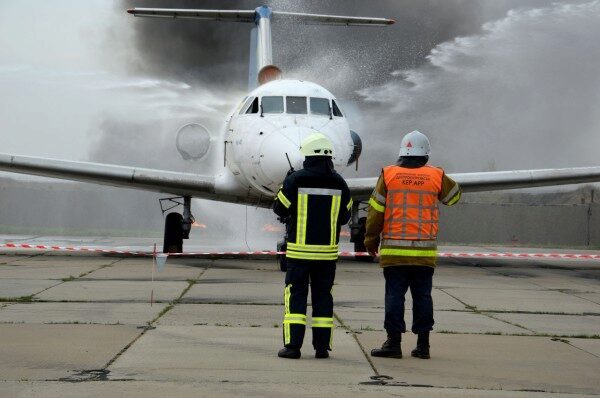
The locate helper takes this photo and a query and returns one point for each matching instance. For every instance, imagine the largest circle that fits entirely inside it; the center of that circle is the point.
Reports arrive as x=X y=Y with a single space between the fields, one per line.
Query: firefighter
x=317 y=201
x=403 y=218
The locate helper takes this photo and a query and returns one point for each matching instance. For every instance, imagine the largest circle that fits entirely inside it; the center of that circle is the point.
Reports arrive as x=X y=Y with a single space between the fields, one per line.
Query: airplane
x=262 y=136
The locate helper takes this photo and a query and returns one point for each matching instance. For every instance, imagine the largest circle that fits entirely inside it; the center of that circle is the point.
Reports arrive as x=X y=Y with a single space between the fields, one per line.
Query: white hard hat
x=316 y=144
x=415 y=144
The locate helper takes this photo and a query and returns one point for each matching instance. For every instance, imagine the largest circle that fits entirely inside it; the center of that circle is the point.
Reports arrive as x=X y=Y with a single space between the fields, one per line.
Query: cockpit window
x=250 y=106
x=272 y=104
x=336 y=110
x=319 y=106
x=296 y=105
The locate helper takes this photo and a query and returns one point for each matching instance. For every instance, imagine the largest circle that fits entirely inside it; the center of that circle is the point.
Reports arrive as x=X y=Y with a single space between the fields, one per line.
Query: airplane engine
x=357 y=147
x=193 y=141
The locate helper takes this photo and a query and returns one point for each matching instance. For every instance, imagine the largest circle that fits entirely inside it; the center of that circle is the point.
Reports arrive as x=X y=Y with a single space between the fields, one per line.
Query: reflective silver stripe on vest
x=451 y=194
x=410 y=236
x=378 y=197
x=416 y=221
x=409 y=243
x=320 y=191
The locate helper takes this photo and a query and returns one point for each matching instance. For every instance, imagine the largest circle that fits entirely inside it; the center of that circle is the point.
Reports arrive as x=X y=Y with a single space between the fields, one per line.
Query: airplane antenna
x=290 y=163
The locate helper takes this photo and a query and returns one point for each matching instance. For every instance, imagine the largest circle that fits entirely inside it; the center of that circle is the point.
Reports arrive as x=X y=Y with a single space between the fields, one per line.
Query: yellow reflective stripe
x=312 y=248
x=454 y=199
x=282 y=198
x=286 y=298
x=386 y=251
x=298 y=319
x=311 y=256
x=286 y=303
x=376 y=205
x=335 y=211
x=349 y=205
x=322 y=323
x=301 y=220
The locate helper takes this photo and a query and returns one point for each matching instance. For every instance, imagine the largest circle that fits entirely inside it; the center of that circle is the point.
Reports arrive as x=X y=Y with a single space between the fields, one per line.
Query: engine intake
x=357 y=147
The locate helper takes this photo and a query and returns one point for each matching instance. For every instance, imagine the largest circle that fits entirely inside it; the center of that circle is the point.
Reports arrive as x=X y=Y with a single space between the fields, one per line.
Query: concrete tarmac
x=84 y=326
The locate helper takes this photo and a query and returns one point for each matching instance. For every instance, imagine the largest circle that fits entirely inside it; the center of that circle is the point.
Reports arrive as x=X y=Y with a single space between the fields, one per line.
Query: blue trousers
x=397 y=281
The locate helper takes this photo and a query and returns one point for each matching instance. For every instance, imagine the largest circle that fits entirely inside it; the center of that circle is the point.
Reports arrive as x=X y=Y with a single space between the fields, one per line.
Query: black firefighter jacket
x=316 y=202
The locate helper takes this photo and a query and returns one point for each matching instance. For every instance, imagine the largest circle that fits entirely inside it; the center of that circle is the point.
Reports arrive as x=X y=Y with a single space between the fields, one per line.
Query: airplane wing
x=361 y=188
x=180 y=184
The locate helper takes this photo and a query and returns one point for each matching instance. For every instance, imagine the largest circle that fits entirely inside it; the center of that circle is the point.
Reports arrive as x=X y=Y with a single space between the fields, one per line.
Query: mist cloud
x=523 y=94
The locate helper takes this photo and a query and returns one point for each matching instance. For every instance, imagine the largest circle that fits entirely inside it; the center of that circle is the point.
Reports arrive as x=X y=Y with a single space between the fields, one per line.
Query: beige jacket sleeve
x=451 y=192
x=375 y=215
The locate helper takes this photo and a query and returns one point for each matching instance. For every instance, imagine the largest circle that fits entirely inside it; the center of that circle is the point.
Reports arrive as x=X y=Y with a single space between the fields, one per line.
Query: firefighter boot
x=289 y=353
x=391 y=347
x=422 y=350
x=321 y=354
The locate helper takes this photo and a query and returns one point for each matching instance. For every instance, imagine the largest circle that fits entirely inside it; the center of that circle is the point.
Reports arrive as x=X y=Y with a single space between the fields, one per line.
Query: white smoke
x=523 y=94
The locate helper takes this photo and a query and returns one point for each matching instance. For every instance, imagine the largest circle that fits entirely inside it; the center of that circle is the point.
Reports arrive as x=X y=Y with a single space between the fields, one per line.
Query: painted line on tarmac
x=556 y=256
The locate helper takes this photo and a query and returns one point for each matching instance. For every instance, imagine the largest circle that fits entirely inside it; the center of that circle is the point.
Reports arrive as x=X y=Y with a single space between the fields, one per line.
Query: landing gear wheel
x=359 y=241
x=281 y=247
x=173 y=242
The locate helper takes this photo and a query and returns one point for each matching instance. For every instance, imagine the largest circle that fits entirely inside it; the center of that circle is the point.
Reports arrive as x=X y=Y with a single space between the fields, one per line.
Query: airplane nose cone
x=273 y=161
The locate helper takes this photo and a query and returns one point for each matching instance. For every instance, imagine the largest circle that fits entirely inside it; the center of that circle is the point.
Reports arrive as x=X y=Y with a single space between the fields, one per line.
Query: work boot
x=289 y=353
x=422 y=349
x=391 y=347
x=320 y=354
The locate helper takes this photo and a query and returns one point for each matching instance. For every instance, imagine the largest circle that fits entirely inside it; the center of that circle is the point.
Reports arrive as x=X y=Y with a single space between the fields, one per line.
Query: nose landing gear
x=177 y=226
x=282 y=246
x=358 y=229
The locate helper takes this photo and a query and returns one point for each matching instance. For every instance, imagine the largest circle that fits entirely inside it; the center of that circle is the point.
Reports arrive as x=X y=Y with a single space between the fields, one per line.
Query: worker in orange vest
x=403 y=219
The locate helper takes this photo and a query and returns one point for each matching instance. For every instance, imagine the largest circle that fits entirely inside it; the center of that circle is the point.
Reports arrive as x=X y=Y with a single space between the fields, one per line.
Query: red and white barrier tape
x=556 y=256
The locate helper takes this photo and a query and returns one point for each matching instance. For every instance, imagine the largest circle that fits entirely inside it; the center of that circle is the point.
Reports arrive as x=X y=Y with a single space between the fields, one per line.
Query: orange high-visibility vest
x=411 y=210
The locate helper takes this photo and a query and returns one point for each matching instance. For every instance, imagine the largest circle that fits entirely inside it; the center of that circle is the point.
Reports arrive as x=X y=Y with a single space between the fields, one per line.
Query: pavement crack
x=150 y=325
x=65 y=280
x=100 y=267
x=567 y=342
x=362 y=348
x=477 y=311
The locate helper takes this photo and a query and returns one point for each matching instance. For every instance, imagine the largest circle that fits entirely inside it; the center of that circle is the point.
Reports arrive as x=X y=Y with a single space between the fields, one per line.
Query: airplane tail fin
x=319 y=19
x=251 y=16
x=261 y=53
x=210 y=15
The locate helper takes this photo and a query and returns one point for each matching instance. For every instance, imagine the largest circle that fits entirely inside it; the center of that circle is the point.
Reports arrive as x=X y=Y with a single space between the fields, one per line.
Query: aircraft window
x=272 y=104
x=319 y=106
x=253 y=108
x=336 y=110
x=296 y=105
x=248 y=105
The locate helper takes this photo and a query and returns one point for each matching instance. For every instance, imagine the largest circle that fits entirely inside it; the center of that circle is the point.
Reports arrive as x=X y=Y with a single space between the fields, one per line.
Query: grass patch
x=367 y=328
x=70 y=278
x=555 y=337
x=22 y=299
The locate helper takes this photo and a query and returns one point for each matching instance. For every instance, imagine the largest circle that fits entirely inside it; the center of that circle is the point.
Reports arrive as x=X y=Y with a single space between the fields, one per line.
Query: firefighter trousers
x=320 y=276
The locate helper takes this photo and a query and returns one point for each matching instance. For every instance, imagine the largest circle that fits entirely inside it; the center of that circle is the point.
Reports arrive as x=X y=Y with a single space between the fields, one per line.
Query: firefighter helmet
x=316 y=144
x=415 y=144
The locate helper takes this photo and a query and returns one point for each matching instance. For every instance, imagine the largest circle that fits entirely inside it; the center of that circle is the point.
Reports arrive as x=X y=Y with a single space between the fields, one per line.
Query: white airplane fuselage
x=271 y=122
